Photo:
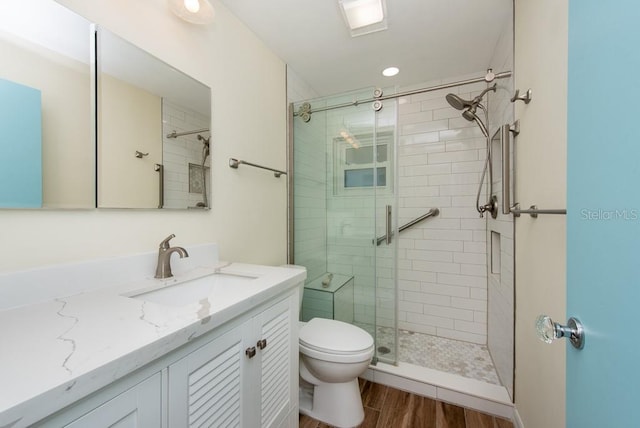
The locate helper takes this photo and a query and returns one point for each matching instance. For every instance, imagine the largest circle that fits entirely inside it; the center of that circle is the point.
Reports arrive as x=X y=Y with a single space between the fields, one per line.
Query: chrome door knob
x=548 y=330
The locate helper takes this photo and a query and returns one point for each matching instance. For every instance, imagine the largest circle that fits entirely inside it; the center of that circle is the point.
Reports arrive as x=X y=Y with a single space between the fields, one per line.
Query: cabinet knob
x=250 y=352
x=262 y=343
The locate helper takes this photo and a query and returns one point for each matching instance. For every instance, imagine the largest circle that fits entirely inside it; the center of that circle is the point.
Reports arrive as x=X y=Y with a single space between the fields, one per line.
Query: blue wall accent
x=603 y=225
x=20 y=146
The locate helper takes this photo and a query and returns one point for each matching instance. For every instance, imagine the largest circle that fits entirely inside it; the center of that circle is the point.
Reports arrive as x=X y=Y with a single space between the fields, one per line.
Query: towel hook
x=526 y=98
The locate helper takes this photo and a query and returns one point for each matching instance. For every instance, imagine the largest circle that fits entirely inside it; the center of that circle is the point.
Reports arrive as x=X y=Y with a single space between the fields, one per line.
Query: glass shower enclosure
x=344 y=200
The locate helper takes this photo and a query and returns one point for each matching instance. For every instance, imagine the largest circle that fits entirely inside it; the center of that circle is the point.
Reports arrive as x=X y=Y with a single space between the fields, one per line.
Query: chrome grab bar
x=235 y=163
x=533 y=211
x=432 y=213
x=507 y=208
x=505 y=130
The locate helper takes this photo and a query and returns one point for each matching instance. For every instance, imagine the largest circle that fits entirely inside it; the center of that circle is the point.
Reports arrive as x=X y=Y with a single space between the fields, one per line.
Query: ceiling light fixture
x=390 y=71
x=364 y=16
x=193 y=11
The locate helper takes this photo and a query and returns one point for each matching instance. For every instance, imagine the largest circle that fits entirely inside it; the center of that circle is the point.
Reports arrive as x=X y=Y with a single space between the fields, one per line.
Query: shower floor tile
x=452 y=356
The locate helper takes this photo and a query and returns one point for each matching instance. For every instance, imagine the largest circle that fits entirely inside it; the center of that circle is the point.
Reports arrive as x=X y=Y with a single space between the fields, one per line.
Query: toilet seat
x=335 y=341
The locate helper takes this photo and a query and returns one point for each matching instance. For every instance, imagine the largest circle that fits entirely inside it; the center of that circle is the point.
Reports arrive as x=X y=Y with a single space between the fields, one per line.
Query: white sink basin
x=192 y=291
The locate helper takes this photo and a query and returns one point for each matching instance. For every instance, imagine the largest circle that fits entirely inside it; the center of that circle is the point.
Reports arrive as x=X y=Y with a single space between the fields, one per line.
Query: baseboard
x=491 y=399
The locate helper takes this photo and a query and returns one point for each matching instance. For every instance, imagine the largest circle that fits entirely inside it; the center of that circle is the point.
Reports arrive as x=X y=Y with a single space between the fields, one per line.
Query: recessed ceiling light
x=192 y=6
x=194 y=11
x=390 y=71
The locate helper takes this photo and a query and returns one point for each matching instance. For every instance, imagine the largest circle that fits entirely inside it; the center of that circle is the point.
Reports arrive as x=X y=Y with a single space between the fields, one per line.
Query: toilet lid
x=334 y=336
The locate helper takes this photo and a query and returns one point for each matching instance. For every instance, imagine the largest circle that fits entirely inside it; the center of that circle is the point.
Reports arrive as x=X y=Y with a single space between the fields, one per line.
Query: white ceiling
x=426 y=39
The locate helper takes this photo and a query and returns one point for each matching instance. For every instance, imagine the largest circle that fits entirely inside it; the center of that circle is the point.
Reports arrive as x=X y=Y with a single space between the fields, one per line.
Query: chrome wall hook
x=140 y=155
x=526 y=98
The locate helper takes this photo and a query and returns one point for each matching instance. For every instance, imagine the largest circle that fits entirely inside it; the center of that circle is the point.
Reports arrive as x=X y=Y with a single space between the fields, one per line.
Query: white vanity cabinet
x=244 y=377
x=243 y=373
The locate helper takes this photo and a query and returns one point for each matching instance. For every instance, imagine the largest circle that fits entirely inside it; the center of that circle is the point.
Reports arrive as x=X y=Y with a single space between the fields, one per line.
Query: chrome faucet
x=163 y=270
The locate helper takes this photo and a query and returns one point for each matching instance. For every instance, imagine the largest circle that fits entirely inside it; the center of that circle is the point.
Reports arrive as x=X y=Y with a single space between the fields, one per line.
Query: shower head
x=470 y=115
x=460 y=104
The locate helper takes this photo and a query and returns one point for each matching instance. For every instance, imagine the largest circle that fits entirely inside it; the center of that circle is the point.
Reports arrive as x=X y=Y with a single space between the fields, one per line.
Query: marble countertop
x=58 y=351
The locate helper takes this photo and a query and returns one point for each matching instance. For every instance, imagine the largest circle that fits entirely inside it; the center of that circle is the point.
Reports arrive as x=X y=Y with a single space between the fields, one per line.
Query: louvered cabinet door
x=205 y=387
x=278 y=370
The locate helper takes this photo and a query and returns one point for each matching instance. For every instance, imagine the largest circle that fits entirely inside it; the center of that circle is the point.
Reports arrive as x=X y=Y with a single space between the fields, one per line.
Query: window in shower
x=360 y=165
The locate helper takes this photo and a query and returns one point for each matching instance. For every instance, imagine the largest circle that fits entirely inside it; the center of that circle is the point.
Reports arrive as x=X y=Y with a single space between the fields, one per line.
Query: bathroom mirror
x=152 y=130
x=46 y=129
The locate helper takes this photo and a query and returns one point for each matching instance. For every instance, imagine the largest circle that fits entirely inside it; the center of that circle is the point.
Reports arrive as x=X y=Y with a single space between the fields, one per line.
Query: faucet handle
x=165 y=243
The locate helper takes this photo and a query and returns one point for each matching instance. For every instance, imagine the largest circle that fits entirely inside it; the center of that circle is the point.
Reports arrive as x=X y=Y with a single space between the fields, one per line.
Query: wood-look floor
x=391 y=408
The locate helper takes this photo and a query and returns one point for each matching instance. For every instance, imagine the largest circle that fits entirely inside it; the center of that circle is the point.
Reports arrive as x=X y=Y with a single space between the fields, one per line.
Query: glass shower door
x=343 y=181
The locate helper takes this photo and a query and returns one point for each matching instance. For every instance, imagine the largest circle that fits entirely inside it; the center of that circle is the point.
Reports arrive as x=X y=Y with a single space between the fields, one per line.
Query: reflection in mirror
x=46 y=150
x=153 y=130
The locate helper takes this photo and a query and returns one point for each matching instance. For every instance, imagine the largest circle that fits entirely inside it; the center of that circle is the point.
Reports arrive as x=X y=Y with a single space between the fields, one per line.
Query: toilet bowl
x=332 y=356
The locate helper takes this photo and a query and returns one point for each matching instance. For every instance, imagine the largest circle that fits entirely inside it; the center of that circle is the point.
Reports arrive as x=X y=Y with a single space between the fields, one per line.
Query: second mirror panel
x=153 y=130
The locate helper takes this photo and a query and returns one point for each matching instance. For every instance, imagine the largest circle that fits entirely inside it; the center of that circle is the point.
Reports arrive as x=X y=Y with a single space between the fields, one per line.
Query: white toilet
x=332 y=356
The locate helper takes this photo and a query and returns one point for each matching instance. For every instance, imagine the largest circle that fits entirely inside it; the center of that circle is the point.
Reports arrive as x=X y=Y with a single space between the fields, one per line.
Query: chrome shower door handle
x=549 y=330
x=388 y=224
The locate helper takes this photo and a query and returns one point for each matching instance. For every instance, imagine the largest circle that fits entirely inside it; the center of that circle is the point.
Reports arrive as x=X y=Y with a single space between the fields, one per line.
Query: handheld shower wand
x=470 y=107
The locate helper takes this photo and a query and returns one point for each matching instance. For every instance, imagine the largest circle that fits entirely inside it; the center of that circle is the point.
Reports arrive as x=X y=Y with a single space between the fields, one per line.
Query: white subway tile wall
x=442 y=261
x=179 y=152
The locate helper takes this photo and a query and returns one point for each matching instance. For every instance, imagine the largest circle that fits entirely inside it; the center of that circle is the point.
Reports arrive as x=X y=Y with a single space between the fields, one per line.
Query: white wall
x=248 y=218
x=541 y=64
x=298 y=89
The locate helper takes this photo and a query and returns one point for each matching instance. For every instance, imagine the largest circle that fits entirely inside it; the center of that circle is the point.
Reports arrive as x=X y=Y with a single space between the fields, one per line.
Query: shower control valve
x=491 y=206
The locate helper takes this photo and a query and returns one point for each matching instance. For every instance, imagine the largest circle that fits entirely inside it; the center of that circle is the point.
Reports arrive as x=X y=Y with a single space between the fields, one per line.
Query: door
x=603 y=225
x=21 y=144
x=206 y=386
x=277 y=346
